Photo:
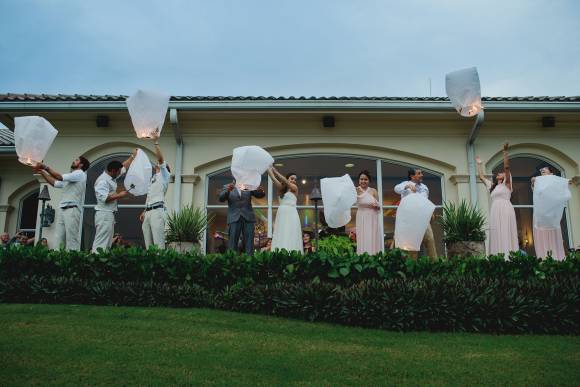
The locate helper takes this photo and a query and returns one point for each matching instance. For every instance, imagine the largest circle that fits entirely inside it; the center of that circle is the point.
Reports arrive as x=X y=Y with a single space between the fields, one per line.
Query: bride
x=287 y=229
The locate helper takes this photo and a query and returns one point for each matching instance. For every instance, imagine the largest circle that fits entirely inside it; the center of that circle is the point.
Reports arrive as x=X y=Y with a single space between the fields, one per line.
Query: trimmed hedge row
x=434 y=303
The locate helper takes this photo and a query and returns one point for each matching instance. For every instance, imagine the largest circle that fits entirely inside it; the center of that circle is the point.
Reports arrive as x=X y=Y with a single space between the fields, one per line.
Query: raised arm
x=158 y=154
x=274 y=178
x=506 y=166
x=282 y=179
x=127 y=163
x=47 y=176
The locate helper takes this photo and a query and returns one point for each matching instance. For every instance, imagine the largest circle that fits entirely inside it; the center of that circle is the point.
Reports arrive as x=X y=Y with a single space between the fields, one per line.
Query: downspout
x=178 y=159
x=471 y=156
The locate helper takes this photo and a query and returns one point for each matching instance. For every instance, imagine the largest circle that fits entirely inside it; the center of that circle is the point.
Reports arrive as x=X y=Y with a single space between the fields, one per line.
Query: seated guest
x=43 y=242
x=118 y=241
x=307 y=242
x=4 y=240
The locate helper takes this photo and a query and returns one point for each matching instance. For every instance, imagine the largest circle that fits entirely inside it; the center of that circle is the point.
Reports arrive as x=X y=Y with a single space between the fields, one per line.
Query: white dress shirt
x=403 y=190
x=73 y=186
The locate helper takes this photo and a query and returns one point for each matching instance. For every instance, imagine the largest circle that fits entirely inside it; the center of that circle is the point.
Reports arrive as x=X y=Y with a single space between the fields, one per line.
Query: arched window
x=27 y=213
x=309 y=170
x=523 y=168
x=127 y=217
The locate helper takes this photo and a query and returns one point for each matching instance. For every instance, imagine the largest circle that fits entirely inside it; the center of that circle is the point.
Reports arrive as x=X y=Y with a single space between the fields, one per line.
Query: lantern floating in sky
x=248 y=165
x=464 y=91
x=338 y=196
x=413 y=217
x=551 y=193
x=138 y=176
x=33 y=136
x=147 y=110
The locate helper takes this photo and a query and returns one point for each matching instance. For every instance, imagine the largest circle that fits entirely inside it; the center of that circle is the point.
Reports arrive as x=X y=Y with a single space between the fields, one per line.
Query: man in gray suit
x=241 y=217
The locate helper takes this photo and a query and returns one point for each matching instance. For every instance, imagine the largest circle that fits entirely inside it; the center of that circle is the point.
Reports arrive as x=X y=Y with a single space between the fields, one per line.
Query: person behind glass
x=73 y=187
x=154 y=216
x=503 y=229
x=548 y=241
x=414 y=184
x=241 y=218
x=368 y=238
x=307 y=243
x=107 y=197
x=4 y=240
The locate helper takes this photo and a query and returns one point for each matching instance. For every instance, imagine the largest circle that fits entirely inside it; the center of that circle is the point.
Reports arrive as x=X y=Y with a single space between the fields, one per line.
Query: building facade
x=312 y=137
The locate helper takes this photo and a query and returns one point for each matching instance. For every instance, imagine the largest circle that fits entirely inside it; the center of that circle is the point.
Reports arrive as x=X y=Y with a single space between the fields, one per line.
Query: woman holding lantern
x=287 y=230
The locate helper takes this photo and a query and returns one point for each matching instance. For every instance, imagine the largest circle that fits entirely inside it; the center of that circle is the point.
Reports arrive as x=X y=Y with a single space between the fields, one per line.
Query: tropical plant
x=336 y=245
x=462 y=223
x=187 y=225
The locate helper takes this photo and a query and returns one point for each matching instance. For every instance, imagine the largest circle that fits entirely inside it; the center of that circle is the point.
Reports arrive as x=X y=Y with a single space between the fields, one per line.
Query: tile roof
x=10 y=97
x=6 y=137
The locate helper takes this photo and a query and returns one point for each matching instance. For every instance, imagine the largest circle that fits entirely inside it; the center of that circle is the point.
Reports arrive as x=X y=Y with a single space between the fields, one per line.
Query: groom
x=241 y=216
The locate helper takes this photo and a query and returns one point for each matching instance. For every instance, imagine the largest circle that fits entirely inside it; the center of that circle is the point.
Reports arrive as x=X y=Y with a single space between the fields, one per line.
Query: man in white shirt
x=414 y=184
x=107 y=196
x=73 y=187
x=154 y=216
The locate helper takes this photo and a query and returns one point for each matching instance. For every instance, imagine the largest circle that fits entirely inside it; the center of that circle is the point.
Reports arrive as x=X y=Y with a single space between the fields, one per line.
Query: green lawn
x=93 y=345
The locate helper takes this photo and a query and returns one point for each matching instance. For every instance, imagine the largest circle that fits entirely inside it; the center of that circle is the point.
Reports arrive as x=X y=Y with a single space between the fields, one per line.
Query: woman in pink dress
x=368 y=238
x=548 y=241
x=503 y=233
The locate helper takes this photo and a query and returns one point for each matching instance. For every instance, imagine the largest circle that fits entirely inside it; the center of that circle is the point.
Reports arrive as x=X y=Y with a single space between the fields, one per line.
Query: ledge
x=188 y=179
x=464 y=179
x=5 y=207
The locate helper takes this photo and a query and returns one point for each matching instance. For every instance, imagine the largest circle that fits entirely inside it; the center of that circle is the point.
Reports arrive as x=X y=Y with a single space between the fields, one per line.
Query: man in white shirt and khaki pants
x=154 y=215
x=107 y=196
x=415 y=185
x=73 y=187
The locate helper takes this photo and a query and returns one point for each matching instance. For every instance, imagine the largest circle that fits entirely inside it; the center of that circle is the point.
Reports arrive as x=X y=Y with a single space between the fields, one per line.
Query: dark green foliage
x=462 y=223
x=336 y=245
x=187 y=225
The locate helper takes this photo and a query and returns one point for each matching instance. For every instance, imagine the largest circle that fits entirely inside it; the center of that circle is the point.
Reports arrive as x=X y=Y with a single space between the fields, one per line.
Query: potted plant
x=185 y=228
x=463 y=229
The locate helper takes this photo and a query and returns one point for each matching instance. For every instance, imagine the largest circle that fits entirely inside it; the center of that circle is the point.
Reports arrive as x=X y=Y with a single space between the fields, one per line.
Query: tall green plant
x=462 y=223
x=187 y=225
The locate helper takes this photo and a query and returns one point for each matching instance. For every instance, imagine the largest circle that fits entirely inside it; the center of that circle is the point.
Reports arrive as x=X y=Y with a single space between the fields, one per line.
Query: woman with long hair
x=287 y=230
x=503 y=229
x=368 y=239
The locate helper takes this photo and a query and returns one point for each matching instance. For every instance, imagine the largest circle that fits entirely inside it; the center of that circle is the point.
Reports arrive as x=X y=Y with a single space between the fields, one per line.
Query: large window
x=309 y=170
x=129 y=208
x=523 y=168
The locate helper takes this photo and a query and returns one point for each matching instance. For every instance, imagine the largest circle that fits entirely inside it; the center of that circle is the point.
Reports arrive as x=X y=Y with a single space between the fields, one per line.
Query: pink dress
x=549 y=240
x=368 y=238
x=503 y=233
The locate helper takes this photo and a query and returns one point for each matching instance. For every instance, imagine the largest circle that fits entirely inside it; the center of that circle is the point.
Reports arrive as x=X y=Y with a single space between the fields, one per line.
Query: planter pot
x=182 y=247
x=465 y=248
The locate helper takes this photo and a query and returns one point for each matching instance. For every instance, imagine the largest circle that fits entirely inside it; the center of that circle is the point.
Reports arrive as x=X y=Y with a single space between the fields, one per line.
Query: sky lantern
x=147 y=110
x=413 y=217
x=138 y=177
x=33 y=136
x=248 y=165
x=464 y=91
x=338 y=196
x=551 y=193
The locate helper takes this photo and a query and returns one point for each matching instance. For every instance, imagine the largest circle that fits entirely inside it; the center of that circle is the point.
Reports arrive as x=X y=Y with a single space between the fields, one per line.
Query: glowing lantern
x=147 y=110
x=338 y=196
x=464 y=91
x=138 y=177
x=248 y=165
x=33 y=136
x=551 y=193
x=413 y=217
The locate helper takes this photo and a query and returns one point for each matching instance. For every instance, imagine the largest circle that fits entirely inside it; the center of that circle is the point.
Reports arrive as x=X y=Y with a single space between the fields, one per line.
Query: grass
x=95 y=345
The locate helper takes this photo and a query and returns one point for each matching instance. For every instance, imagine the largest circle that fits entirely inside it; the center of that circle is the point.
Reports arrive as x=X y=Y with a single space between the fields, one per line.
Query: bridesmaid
x=503 y=234
x=548 y=240
x=368 y=239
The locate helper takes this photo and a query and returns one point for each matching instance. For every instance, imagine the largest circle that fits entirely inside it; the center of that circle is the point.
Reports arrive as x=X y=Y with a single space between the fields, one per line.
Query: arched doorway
x=129 y=208
x=310 y=169
x=523 y=168
x=27 y=212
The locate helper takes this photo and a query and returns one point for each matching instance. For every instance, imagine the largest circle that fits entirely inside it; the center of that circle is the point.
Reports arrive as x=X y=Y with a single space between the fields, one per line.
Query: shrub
x=187 y=225
x=462 y=223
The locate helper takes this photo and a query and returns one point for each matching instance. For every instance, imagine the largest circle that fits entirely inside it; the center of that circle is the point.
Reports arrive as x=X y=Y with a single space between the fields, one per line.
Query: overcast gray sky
x=283 y=48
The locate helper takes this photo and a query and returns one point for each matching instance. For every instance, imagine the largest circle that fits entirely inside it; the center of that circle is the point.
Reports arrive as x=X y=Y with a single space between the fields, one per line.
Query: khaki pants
x=154 y=227
x=428 y=243
x=104 y=230
x=67 y=229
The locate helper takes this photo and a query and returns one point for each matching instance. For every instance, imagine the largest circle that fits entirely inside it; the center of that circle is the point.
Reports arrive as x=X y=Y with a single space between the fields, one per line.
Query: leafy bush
x=187 y=225
x=462 y=223
x=336 y=245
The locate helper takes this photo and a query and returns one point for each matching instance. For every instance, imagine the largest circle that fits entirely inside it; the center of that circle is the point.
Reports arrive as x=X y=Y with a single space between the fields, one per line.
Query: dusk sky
x=284 y=48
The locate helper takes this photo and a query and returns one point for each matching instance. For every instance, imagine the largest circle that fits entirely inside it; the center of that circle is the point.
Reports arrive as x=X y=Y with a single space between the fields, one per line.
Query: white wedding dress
x=287 y=229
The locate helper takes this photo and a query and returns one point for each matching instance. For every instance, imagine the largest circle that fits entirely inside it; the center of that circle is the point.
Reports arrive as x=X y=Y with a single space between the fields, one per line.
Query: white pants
x=104 y=230
x=67 y=229
x=154 y=227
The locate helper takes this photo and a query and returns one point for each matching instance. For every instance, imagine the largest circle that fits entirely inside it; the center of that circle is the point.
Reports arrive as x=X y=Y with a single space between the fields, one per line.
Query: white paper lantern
x=464 y=91
x=138 y=177
x=338 y=196
x=147 y=110
x=550 y=196
x=413 y=217
x=33 y=136
x=248 y=165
